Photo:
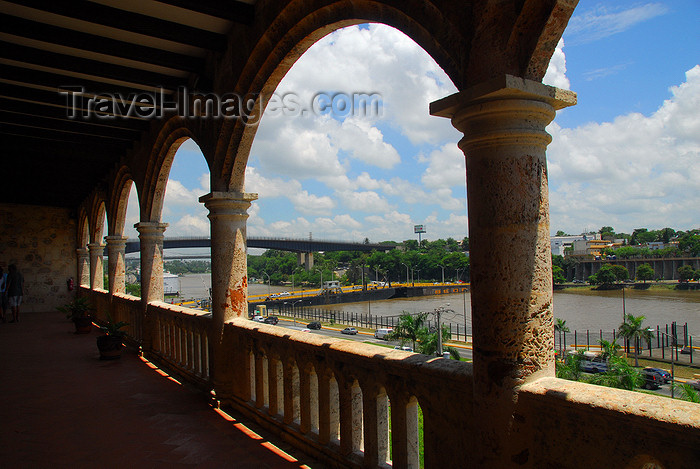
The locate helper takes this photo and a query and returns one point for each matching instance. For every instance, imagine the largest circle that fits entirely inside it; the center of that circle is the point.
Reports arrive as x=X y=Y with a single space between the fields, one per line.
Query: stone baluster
x=275 y=384
x=404 y=431
x=376 y=425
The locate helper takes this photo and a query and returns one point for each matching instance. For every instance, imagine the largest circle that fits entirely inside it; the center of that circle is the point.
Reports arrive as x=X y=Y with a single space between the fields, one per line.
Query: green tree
x=608 y=349
x=607 y=232
x=645 y=272
x=561 y=233
x=561 y=327
x=633 y=329
x=621 y=273
x=605 y=276
x=619 y=375
x=570 y=367
x=558 y=274
x=409 y=328
x=686 y=273
x=687 y=392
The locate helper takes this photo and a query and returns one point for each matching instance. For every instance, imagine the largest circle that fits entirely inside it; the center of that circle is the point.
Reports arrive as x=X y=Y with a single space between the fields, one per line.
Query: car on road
x=695 y=384
x=382 y=333
x=652 y=380
x=594 y=367
x=661 y=372
x=271 y=320
x=405 y=348
x=685 y=350
x=349 y=331
x=314 y=325
x=257 y=318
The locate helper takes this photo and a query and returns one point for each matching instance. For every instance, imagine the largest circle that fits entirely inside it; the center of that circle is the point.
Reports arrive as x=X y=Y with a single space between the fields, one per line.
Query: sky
x=627 y=155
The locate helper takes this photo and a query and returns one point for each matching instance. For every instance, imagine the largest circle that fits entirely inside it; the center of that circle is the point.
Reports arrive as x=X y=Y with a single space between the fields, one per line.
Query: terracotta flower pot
x=110 y=347
x=82 y=325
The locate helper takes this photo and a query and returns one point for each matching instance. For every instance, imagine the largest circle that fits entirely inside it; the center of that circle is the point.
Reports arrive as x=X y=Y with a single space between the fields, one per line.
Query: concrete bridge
x=303 y=247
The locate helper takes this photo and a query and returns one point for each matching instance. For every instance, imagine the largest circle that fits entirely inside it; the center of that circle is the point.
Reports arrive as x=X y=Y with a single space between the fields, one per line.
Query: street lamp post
x=443 y=273
x=268 y=283
x=674 y=344
x=406 y=272
x=320 y=287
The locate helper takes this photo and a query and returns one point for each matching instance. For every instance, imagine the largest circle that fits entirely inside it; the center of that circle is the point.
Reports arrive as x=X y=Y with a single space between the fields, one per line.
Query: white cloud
x=605 y=20
x=556 y=70
x=636 y=171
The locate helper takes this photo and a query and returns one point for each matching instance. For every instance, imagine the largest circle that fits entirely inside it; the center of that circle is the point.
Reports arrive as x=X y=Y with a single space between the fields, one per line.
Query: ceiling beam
x=238 y=12
x=132 y=22
x=103 y=45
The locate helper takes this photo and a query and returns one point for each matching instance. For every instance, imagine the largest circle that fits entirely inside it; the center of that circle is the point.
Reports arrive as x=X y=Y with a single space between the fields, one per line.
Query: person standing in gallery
x=15 y=289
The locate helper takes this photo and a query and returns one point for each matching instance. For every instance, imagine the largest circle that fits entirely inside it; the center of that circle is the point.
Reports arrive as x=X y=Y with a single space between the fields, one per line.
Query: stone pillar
x=504 y=142
x=151 y=246
x=229 y=278
x=96 y=270
x=116 y=267
x=83 y=266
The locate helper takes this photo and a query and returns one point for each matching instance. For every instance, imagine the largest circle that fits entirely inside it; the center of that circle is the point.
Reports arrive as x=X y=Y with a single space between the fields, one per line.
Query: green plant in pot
x=110 y=344
x=78 y=311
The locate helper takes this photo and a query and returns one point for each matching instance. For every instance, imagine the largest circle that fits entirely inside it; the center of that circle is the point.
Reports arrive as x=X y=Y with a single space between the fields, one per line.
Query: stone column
x=504 y=142
x=96 y=271
x=151 y=244
x=83 y=266
x=116 y=267
x=229 y=276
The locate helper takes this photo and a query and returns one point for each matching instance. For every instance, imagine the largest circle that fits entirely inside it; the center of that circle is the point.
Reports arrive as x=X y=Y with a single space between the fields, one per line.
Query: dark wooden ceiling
x=102 y=46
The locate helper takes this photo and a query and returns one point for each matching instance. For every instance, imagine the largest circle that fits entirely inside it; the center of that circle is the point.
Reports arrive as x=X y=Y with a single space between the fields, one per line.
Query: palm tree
x=687 y=392
x=633 y=329
x=409 y=327
x=609 y=349
x=560 y=327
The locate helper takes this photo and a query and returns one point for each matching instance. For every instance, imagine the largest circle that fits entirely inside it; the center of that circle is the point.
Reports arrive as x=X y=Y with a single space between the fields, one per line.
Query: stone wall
x=40 y=241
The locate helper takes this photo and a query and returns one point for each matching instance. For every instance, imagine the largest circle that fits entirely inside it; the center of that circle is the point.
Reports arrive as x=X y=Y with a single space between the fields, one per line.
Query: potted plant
x=110 y=344
x=78 y=311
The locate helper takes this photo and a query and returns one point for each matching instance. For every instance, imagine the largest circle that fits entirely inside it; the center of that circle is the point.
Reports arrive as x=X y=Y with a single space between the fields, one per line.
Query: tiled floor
x=60 y=406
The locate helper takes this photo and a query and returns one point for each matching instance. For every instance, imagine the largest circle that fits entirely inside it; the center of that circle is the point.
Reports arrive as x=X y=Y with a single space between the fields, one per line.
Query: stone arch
x=519 y=41
x=290 y=33
x=96 y=216
x=121 y=186
x=172 y=134
x=83 y=232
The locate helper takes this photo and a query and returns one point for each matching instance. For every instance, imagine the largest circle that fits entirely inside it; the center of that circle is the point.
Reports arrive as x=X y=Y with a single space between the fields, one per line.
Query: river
x=581 y=308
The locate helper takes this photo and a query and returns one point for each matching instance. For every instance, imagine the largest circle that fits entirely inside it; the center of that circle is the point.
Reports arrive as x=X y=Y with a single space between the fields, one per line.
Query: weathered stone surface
x=41 y=242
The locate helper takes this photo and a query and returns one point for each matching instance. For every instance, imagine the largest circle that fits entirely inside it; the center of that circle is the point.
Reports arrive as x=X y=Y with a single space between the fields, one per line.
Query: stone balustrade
x=358 y=404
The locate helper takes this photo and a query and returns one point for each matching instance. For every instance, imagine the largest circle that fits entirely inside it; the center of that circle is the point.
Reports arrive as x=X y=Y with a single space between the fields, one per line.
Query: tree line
x=634 y=244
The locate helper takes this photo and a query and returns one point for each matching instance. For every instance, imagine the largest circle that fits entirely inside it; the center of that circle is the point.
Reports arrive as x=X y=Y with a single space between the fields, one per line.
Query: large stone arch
x=83 y=231
x=495 y=40
x=97 y=207
x=121 y=186
x=172 y=134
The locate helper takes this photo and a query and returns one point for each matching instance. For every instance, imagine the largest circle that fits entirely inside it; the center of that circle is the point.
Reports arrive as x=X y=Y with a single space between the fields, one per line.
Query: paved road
x=465 y=352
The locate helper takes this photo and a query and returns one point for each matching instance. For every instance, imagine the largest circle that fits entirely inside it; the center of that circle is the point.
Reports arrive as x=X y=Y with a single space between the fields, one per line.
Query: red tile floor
x=60 y=406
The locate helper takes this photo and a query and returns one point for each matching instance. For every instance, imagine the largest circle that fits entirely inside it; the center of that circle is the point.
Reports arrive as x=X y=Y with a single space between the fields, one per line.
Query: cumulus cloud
x=556 y=70
x=624 y=170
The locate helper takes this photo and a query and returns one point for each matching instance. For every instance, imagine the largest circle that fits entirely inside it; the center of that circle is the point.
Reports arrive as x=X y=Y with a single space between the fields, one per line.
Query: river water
x=581 y=308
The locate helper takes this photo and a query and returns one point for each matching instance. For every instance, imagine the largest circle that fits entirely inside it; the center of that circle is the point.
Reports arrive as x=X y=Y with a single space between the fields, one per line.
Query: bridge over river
x=304 y=247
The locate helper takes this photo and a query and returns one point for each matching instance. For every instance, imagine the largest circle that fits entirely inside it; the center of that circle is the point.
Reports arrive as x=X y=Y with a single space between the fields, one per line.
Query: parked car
x=314 y=325
x=661 y=372
x=652 y=380
x=382 y=333
x=349 y=331
x=271 y=320
x=594 y=367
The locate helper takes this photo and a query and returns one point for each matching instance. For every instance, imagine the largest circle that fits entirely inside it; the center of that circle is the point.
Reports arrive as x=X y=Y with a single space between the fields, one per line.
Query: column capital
x=505 y=87
x=228 y=203
x=96 y=247
x=150 y=229
x=116 y=239
x=83 y=252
